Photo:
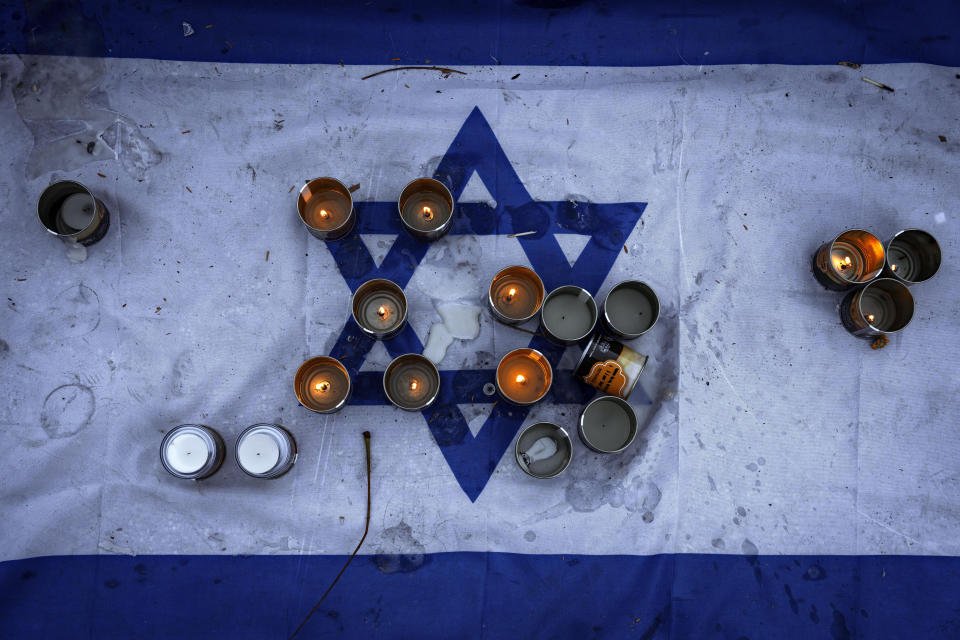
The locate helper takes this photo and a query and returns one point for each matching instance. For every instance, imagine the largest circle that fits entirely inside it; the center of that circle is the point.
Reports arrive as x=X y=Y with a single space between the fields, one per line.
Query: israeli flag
x=787 y=481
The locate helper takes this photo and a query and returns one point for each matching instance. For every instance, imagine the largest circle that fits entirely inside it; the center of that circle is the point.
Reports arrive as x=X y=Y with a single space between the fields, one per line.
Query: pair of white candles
x=194 y=451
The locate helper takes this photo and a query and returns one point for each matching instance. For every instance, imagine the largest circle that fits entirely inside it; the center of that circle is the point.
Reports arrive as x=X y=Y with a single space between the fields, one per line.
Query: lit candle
x=853 y=257
x=326 y=208
x=543 y=450
x=192 y=451
x=515 y=294
x=883 y=306
x=68 y=210
x=913 y=256
x=379 y=308
x=524 y=376
x=411 y=382
x=569 y=314
x=608 y=424
x=610 y=366
x=322 y=384
x=426 y=208
x=630 y=309
x=265 y=450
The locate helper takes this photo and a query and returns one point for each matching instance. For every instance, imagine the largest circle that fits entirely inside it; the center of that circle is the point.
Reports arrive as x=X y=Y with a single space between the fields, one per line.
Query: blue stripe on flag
x=557 y=32
x=497 y=595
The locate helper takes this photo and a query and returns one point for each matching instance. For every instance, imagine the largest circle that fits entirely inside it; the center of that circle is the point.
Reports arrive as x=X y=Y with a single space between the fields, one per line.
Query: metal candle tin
x=322 y=384
x=516 y=294
x=265 y=450
x=630 y=309
x=524 y=377
x=610 y=366
x=883 y=306
x=379 y=308
x=68 y=210
x=568 y=315
x=853 y=257
x=411 y=382
x=192 y=451
x=530 y=447
x=607 y=424
x=325 y=206
x=426 y=209
x=913 y=256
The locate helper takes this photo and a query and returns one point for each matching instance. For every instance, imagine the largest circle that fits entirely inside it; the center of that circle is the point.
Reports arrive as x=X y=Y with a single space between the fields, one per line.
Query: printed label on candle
x=611 y=367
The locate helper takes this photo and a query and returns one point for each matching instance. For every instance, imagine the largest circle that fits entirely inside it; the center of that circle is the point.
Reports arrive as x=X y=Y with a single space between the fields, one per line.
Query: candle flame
x=893 y=267
x=512 y=292
x=322 y=386
x=323 y=213
x=427 y=213
x=413 y=385
x=382 y=311
x=521 y=378
x=870 y=317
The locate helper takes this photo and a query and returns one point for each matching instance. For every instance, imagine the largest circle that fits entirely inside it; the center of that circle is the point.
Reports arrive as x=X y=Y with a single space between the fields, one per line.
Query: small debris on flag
x=268 y=256
x=188 y=188
x=521 y=234
x=880 y=342
x=515 y=77
x=354 y=187
x=942 y=138
x=852 y=65
x=877 y=84
x=187 y=30
x=101 y=175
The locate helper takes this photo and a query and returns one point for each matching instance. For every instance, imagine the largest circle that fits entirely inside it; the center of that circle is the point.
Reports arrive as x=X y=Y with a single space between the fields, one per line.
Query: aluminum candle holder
x=411 y=382
x=322 y=384
x=379 y=308
x=608 y=424
x=515 y=295
x=883 y=306
x=543 y=450
x=569 y=315
x=192 y=451
x=610 y=366
x=853 y=257
x=265 y=450
x=426 y=209
x=630 y=309
x=69 y=211
x=913 y=256
x=524 y=377
x=325 y=206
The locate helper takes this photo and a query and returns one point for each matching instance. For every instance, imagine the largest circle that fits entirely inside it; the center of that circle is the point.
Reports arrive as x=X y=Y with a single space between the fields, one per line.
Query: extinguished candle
x=608 y=424
x=192 y=451
x=411 y=382
x=543 y=450
x=853 y=257
x=380 y=308
x=265 y=450
x=426 y=208
x=322 y=384
x=524 y=376
x=326 y=208
x=67 y=209
x=569 y=314
x=516 y=294
x=630 y=309
x=76 y=212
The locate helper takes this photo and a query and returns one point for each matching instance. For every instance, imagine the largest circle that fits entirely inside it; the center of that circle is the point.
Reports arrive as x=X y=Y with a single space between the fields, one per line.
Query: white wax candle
x=187 y=453
x=258 y=453
x=77 y=211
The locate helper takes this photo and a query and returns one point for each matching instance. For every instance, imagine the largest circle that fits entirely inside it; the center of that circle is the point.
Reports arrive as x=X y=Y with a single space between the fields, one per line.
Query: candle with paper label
x=913 y=256
x=630 y=309
x=543 y=450
x=853 y=257
x=192 y=451
x=322 y=384
x=515 y=295
x=265 y=450
x=524 y=376
x=326 y=208
x=569 y=314
x=69 y=211
x=379 y=308
x=608 y=424
x=883 y=306
x=426 y=208
x=411 y=382
x=610 y=366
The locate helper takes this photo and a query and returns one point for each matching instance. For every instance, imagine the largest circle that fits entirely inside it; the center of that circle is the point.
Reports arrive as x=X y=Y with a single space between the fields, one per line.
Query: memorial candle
x=326 y=208
x=883 y=306
x=524 y=376
x=411 y=382
x=543 y=450
x=630 y=309
x=913 y=256
x=322 y=384
x=192 y=451
x=853 y=257
x=68 y=210
x=426 y=208
x=515 y=295
x=265 y=450
x=379 y=308
x=569 y=314
x=608 y=424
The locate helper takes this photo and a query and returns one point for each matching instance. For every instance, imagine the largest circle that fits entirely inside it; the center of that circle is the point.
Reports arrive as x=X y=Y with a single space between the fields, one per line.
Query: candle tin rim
x=883 y=281
x=301 y=370
x=281 y=467
x=383 y=335
x=493 y=307
x=215 y=444
x=557 y=291
x=876 y=272
x=420 y=358
x=526 y=469
x=886 y=255
x=444 y=192
x=339 y=231
x=89 y=235
x=634 y=423
x=642 y=285
x=529 y=351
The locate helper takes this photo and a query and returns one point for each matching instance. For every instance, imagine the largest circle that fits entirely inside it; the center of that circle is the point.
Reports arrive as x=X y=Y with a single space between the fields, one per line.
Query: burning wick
x=427 y=213
x=413 y=385
x=870 y=317
x=521 y=378
x=893 y=267
x=382 y=311
x=323 y=213
x=512 y=292
x=846 y=262
x=323 y=386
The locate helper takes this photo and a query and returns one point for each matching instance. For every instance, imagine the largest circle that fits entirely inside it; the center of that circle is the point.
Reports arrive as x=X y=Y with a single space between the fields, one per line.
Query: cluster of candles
x=876 y=278
x=195 y=451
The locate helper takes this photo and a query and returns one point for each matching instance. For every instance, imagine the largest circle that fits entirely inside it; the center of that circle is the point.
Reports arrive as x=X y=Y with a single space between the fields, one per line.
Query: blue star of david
x=476 y=149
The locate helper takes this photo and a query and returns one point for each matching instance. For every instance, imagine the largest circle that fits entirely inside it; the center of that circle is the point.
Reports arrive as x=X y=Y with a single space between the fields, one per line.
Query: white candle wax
x=258 y=453
x=77 y=211
x=187 y=453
